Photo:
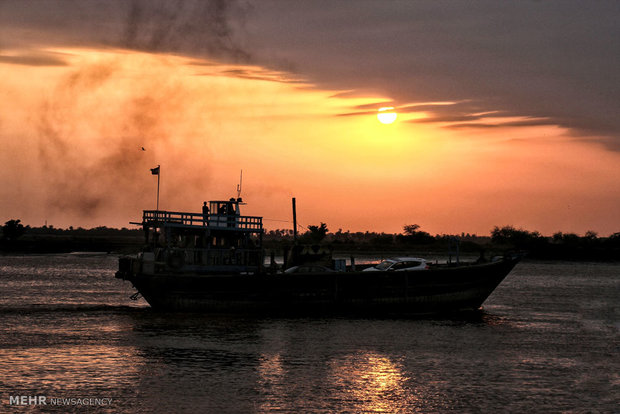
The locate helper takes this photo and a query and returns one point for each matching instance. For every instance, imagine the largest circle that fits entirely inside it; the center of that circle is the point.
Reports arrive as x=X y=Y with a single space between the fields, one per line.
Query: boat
x=214 y=262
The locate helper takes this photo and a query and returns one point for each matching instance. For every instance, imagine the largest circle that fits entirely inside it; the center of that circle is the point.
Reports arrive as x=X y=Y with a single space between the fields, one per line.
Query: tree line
x=558 y=246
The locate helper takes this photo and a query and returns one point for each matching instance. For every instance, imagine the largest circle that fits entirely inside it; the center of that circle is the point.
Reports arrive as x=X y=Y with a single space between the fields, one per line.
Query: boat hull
x=443 y=289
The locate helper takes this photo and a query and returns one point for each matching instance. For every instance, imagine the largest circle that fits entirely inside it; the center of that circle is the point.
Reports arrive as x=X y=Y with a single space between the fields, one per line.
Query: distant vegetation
x=12 y=230
x=559 y=246
x=47 y=239
x=566 y=246
x=411 y=238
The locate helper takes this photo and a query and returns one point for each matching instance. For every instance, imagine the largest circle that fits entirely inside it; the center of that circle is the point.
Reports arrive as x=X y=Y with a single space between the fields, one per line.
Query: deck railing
x=159 y=218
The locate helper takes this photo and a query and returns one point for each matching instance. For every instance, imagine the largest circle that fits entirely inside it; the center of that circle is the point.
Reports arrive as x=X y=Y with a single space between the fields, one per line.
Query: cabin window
x=405 y=265
x=384 y=265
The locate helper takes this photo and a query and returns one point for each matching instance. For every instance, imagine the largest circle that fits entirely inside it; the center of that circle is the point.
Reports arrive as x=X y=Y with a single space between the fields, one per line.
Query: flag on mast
x=155 y=171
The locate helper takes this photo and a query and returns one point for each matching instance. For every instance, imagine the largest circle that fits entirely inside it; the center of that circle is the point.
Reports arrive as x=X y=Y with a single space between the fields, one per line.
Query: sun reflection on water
x=374 y=382
x=71 y=370
x=271 y=381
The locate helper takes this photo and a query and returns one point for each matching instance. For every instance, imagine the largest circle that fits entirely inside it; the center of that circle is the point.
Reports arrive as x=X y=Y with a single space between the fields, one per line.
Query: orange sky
x=72 y=137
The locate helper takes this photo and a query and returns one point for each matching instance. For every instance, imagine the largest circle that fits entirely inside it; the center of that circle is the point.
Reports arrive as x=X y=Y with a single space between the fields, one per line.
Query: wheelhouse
x=219 y=240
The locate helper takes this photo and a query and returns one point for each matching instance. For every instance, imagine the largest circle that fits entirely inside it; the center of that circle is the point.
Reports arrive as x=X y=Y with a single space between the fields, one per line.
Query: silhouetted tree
x=613 y=240
x=316 y=234
x=410 y=229
x=414 y=236
x=12 y=229
x=517 y=237
x=591 y=235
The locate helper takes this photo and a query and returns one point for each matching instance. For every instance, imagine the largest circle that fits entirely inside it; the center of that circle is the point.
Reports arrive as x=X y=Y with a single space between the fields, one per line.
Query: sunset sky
x=507 y=112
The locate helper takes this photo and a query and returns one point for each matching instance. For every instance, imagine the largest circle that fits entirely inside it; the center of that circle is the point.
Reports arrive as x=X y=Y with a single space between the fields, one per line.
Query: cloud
x=256 y=73
x=526 y=122
x=554 y=60
x=193 y=27
x=34 y=59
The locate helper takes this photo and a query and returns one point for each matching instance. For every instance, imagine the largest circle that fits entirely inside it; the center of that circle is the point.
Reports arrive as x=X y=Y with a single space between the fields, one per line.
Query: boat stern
x=127 y=267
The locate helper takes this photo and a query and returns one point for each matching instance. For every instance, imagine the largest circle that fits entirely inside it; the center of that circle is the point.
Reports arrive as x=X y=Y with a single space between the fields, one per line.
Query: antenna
x=239 y=186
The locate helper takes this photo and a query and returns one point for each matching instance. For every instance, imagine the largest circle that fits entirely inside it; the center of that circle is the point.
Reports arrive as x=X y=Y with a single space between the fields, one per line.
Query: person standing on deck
x=231 y=212
x=205 y=213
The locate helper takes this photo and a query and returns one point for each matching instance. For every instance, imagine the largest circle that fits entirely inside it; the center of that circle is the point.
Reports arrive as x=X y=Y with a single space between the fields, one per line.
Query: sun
x=387 y=115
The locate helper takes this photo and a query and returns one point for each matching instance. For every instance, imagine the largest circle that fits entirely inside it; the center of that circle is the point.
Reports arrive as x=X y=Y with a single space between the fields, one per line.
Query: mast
x=294 y=221
x=157 y=171
x=239 y=186
x=158 y=175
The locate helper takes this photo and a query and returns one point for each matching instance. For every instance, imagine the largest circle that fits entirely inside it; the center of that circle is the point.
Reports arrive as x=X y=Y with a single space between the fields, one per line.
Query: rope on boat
x=135 y=296
x=286 y=221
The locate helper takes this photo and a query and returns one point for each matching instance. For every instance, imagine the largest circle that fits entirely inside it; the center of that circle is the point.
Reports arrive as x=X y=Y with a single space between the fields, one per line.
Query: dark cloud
x=553 y=60
x=181 y=25
x=198 y=27
x=259 y=74
x=528 y=122
x=34 y=59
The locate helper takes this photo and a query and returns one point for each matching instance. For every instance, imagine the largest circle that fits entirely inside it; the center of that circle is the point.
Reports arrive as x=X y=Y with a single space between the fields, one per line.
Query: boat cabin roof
x=222 y=215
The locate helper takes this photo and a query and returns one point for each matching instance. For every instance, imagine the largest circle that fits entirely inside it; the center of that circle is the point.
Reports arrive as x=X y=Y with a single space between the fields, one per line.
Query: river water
x=547 y=340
